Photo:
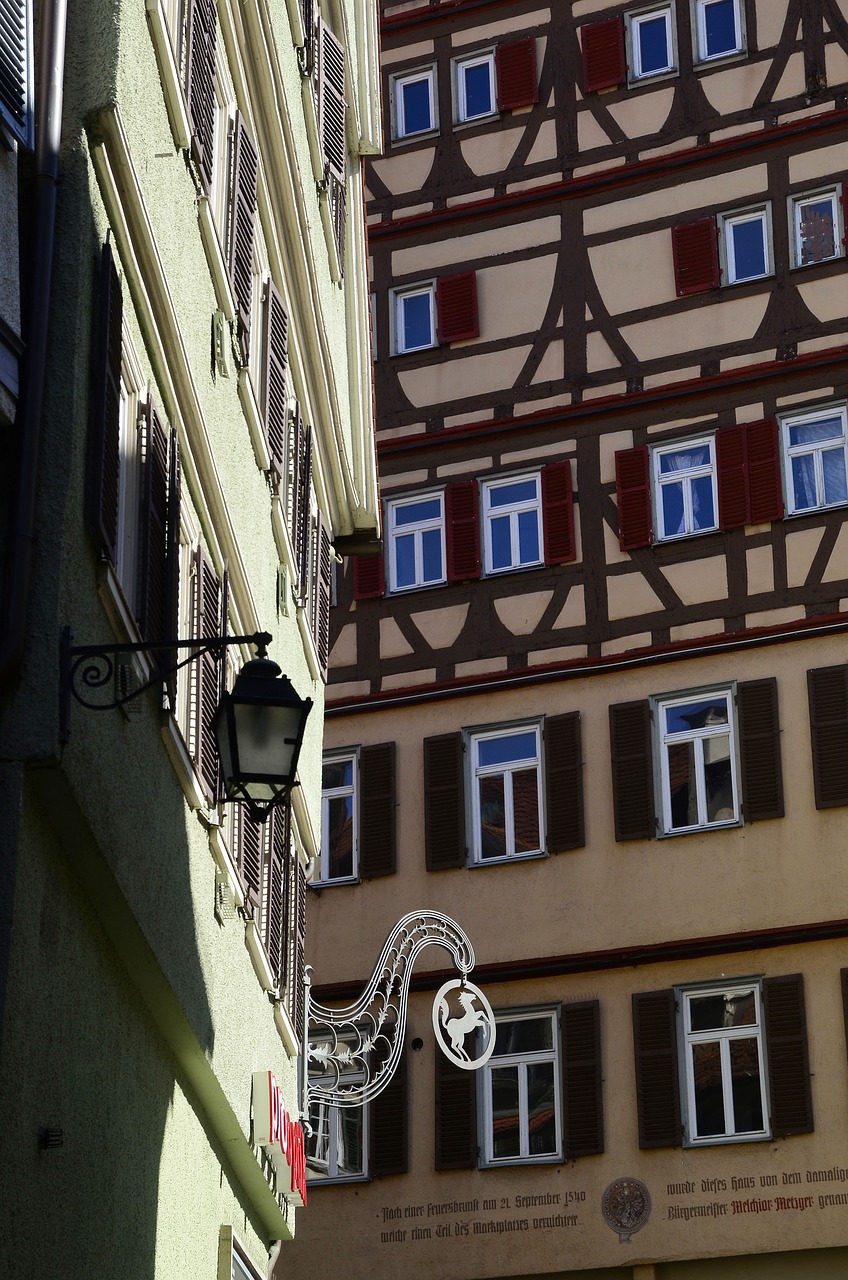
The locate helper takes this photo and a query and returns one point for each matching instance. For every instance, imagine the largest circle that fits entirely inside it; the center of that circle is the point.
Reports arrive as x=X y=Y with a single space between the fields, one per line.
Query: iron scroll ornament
x=351 y=1054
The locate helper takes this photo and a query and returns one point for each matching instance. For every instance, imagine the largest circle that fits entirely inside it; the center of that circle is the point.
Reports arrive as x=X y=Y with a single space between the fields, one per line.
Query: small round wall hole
x=417 y=1044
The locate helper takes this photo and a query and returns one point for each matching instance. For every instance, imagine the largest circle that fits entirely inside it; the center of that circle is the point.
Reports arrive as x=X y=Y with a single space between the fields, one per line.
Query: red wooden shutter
x=788 y=1056
x=321 y=595
x=275 y=361
x=515 y=67
x=388 y=1144
x=104 y=459
x=456 y=1115
x=331 y=101
x=657 y=1084
x=759 y=749
x=762 y=452
x=558 y=511
x=242 y=220
x=694 y=247
x=456 y=307
x=201 y=36
x=633 y=482
x=462 y=531
x=632 y=772
x=173 y=620
x=828 y=696
x=732 y=473
x=583 y=1109
x=207 y=622
x=444 y=802
x=152 y=607
x=369 y=577
x=564 y=783
x=604 y=65
x=377 y=811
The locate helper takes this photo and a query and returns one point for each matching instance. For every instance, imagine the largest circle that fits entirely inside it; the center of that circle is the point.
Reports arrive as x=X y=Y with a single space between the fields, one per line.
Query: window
x=506 y=793
x=474 y=87
x=724 y=1076
x=697 y=758
x=414 y=109
x=336 y=1151
x=685 y=493
x=415 y=318
x=718 y=29
x=650 y=39
x=17 y=114
x=358 y=814
x=816 y=449
x=438 y=311
x=522 y=1110
x=338 y=819
x=512 y=511
x=816 y=227
x=416 y=540
x=745 y=244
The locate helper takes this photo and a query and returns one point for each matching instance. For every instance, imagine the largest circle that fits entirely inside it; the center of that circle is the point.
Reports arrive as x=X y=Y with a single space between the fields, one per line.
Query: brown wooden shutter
x=321 y=594
x=173 y=622
x=788 y=1056
x=377 y=811
x=633 y=484
x=657 y=1084
x=564 y=783
x=456 y=307
x=632 y=771
x=16 y=73
x=515 y=68
x=456 y=1115
x=604 y=65
x=762 y=455
x=827 y=688
x=152 y=605
x=242 y=222
x=759 y=749
x=207 y=622
x=388 y=1137
x=462 y=531
x=558 y=512
x=299 y=995
x=104 y=458
x=304 y=493
x=201 y=36
x=583 y=1108
x=250 y=849
x=843 y=981
x=369 y=577
x=444 y=802
x=694 y=249
x=275 y=362
x=338 y=211
x=732 y=473
x=331 y=101
x=273 y=917
x=290 y=860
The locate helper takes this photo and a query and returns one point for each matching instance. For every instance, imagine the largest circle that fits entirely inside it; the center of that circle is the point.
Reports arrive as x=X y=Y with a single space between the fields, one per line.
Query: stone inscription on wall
x=793 y=1191
x=497 y=1215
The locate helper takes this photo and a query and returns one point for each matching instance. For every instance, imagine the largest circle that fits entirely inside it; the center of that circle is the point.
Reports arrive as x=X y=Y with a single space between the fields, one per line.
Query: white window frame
x=477 y=772
x=487 y=58
x=727 y=221
x=661 y=480
x=633 y=21
x=400 y=133
x=490 y=513
x=724 y=1036
x=334 y=793
x=318 y=1112
x=796 y=204
x=699 y=32
x=788 y=452
x=524 y=1059
x=398 y=297
x=393 y=532
x=700 y=738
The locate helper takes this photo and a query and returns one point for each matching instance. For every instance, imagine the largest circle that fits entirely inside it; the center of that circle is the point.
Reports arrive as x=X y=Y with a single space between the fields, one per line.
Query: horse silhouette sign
x=464 y=1024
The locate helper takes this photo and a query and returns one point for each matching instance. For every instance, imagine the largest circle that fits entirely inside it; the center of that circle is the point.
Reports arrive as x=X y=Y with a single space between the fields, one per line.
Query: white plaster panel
x=836 y=64
x=736 y=88
x=522 y=614
x=407 y=679
x=733 y=320
x=559 y=653
x=609 y=445
x=696 y=584
x=405 y=170
x=456 y=379
x=552 y=365
x=827 y=299
x=441 y=627
x=750 y=412
x=815 y=163
x=513 y=297
x=644 y=114
x=801 y=546
x=630 y=595
x=480 y=666
x=837 y=565
x=793 y=82
x=645 y=262
x=774 y=617
x=573 y=612
x=489 y=152
x=589 y=132
x=544 y=148
x=624 y=644
x=473 y=465
x=393 y=644
x=520 y=22
x=407 y=53
x=599 y=353
x=736 y=186
x=531 y=234
x=558 y=449
x=343 y=652
x=771 y=15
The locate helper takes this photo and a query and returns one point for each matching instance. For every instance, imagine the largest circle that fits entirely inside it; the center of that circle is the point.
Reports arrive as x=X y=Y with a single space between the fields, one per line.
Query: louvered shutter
x=303 y=489
x=201 y=35
x=657 y=1084
x=456 y=1115
x=290 y=860
x=273 y=918
x=331 y=102
x=250 y=849
x=732 y=474
x=444 y=802
x=583 y=1109
x=207 y=622
x=632 y=772
x=564 y=783
x=275 y=362
x=762 y=453
x=515 y=68
x=242 y=223
x=369 y=577
x=105 y=439
x=633 y=484
x=462 y=531
x=296 y=462
x=759 y=743
x=694 y=249
x=172 y=564
x=321 y=594
x=16 y=71
x=299 y=995
x=827 y=689
x=338 y=210
x=558 y=513
x=377 y=810
x=152 y=607
x=788 y=1056
x=604 y=65
x=843 y=982
x=456 y=307
x=388 y=1137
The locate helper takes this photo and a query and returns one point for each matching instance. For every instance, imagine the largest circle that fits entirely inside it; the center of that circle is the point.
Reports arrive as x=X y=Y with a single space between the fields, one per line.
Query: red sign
x=280 y=1135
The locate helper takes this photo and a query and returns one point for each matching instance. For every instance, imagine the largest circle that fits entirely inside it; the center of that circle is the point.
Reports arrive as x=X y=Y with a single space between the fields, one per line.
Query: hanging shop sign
x=280 y=1135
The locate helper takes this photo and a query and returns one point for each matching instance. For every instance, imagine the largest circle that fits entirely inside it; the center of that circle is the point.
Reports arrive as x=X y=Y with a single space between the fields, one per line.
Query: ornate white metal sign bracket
x=351 y=1054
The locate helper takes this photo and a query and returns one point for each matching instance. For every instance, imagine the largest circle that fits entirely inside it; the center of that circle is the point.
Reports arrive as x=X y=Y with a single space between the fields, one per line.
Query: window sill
x=691 y=1144
x=255 y=425
x=172 y=88
x=417 y=586
x=720 y=60
x=697 y=831
x=182 y=762
x=407 y=139
x=256 y=949
x=215 y=257
x=509 y=860
x=318 y=885
x=225 y=864
x=356 y=1179
x=286 y=1030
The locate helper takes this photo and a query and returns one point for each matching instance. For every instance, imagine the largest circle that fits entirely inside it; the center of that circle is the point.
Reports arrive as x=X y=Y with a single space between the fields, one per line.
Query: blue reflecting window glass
x=508 y=495
x=416 y=321
x=431 y=555
x=701 y=714
x=418 y=512
x=505 y=750
x=748 y=249
x=415 y=114
x=501 y=543
x=528 y=537
x=654 y=53
x=405 y=560
x=720 y=32
x=672 y=509
x=703 y=511
x=477 y=81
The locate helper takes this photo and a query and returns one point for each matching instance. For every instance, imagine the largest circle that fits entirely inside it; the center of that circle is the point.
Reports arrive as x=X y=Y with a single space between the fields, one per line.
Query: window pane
x=349 y=1138
x=501 y=543
x=696 y=715
x=720 y=27
x=340 y=836
x=681 y=785
x=745 y=1082
x=833 y=466
x=749 y=248
x=652 y=34
x=804 y=482
x=672 y=509
x=506 y=1136
x=685 y=459
x=816 y=230
x=318 y=1145
x=709 y=1101
x=416 y=105
x=541 y=1107
x=718 y=779
x=717 y=1010
x=405 y=560
x=337 y=773
x=418 y=512
x=492 y=822
x=513 y=746
x=525 y=806
x=431 y=550
x=523 y=1035
x=478 y=89
x=528 y=537
x=417 y=327
x=509 y=495
x=703 y=511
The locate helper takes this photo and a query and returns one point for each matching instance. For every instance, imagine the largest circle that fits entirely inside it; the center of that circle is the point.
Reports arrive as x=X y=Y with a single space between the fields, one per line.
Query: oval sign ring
x=454 y=1019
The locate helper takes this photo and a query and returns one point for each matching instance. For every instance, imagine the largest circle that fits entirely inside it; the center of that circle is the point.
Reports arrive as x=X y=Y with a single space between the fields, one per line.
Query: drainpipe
x=14 y=606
